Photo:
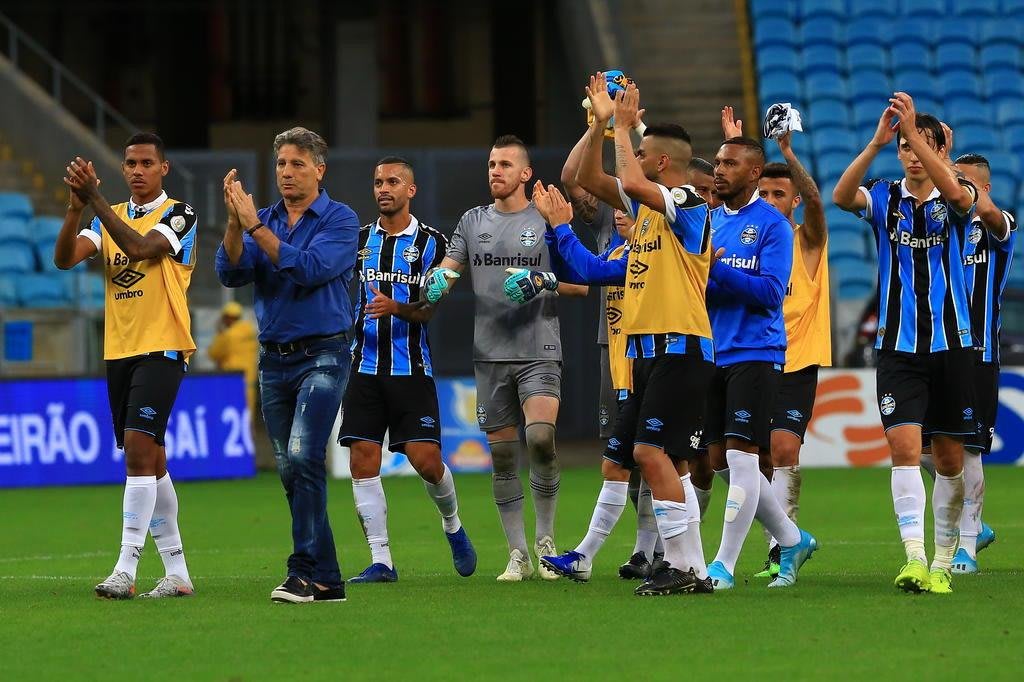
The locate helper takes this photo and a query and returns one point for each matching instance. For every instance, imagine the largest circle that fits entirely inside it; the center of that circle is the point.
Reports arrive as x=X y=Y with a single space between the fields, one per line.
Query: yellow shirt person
x=235 y=349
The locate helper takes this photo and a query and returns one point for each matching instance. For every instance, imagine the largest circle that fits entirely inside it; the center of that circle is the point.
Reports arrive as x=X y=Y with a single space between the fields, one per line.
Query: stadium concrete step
x=685 y=62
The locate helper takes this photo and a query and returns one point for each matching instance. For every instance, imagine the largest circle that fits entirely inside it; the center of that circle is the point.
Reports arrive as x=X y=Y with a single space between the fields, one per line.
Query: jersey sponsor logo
x=904 y=238
x=411 y=254
x=648 y=247
x=939 y=212
x=888 y=404
x=789 y=289
x=528 y=237
x=363 y=254
x=741 y=263
x=979 y=258
x=615 y=294
x=654 y=424
x=374 y=275
x=975 y=236
x=749 y=235
x=742 y=416
x=517 y=261
x=126 y=279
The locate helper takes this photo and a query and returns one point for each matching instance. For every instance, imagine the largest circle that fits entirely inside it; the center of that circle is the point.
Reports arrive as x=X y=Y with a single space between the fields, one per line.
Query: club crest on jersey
x=749 y=235
x=643 y=228
x=528 y=237
x=603 y=417
x=481 y=414
x=678 y=195
x=888 y=404
x=178 y=223
x=411 y=254
x=975 y=236
x=939 y=212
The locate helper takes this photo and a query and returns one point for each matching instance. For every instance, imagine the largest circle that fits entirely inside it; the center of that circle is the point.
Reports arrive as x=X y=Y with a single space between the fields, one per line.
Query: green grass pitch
x=843 y=620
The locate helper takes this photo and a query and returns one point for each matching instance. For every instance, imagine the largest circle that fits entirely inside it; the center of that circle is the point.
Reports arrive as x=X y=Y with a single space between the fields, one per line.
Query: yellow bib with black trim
x=806 y=312
x=621 y=366
x=146 y=304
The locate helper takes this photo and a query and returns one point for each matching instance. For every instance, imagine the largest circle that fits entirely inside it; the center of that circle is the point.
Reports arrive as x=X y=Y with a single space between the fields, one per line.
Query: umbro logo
x=795 y=415
x=636 y=268
x=427 y=422
x=485 y=237
x=147 y=412
x=127 y=278
x=742 y=416
x=654 y=424
x=613 y=315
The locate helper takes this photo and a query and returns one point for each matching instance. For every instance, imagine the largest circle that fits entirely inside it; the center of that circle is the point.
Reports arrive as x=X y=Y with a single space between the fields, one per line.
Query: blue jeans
x=301 y=394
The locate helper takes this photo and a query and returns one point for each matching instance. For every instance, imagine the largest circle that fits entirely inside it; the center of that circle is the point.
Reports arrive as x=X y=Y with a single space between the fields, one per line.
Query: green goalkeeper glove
x=437 y=281
x=523 y=285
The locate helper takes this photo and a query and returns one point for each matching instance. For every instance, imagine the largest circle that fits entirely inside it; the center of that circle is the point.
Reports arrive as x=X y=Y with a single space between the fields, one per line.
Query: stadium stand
x=838 y=61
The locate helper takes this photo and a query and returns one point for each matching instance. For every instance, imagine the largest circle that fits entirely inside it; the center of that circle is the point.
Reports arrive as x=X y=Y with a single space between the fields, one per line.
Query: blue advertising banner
x=58 y=432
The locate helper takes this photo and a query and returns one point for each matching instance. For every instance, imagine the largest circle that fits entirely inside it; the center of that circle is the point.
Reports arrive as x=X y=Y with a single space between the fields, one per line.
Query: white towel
x=780 y=119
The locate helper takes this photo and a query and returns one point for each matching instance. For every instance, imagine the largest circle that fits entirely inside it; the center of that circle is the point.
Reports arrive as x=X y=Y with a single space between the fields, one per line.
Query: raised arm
x=591 y=176
x=584 y=204
x=847 y=194
x=815 y=232
x=635 y=184
x=71 y=248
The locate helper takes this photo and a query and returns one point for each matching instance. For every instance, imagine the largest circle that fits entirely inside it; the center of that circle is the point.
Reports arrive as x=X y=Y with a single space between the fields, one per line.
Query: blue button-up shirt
x=306 y=293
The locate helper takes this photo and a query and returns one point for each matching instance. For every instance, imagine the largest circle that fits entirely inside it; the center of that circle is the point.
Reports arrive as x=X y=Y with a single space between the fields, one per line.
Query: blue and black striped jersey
x=394 y=265
x=987 y=266
x=923 y=305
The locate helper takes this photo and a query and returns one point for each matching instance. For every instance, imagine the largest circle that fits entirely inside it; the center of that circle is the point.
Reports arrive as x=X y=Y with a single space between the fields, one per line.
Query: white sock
x=136 y=513
x=610 y=503
x=947 y=505
x=443 y=495
x=785 y=484
x=928 y=464
x=908 y=500
x=646 y=527
x=372 y=509
x=740 y=505
x=703 y=499
x=974 y=502
x=672 y=526
x=772 y=516
x=693 y=547
x=164 y=529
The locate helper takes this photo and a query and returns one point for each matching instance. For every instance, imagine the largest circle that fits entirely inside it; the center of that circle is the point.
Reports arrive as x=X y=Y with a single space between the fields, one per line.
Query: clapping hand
x=551 y=205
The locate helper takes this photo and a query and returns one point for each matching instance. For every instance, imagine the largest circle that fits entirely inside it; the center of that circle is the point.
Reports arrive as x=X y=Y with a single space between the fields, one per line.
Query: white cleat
x=170 y=586
x=546 y=547
x=519 y=568
x=119 y=585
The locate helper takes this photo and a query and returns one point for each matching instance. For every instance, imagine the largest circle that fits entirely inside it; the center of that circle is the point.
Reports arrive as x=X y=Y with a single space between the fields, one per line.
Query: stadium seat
x=14 y=229
x=856 y=289
x=17 y=257
x=995 y=32
x=1014 y=8
x=767 y=9
x=963 y=111
x=15 y=205
x=958 y=83
x=975 y=8
x=845 y=243
x=873 y=9
x=823 y=114
x=44 y=256
x=1003 y=190
x=1000 y=56
x=869 y=32
x=866 y=57
x=823 y=86
x=1010 y=112
x=921 y=9
x=778 y=86
x=886 y=166
x=835 y=9
x=831 y=164
x=910 y=57
x=979 y=139
x=8 y=291
x=955 y=56
x=821 y=31
x=870 y=85
x=841 y=141
x=912 y=32
x=1003 y=161
x=45 y=227
x=778 y=57
x=822 y=59
x=1013 y=138
x=928 y=104
x=88 y=291
x=1003 y=84
x=867 y=113
x=38 y=290
x=774 y=33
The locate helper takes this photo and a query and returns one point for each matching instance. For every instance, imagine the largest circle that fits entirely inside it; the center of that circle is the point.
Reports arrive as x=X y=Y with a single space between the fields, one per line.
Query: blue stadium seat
x=852 y=244
x=958 y=83
x=1004 y=189
x=979 y=139
x=1014 y=7
x=1010 y=112
x=826 y=114
x=963 y=111
x=866 y=57
x=919 y=32
x=929 y=105
x=778 y=57
x=886 y=166
x=774 y=32
x=910 y=57
x=1000 y=56
x=956 y=31
x=994 y=32
x=840 y=220
x=975 y=8
x=38 y=290
x=8 y=291
x=822 y=59
x=834 y=140
x=1003 y=84
x=869 y=32
x=15 y=205
x=766 y=9
x=867 y=113
x=17 y=257
x=913 y=10
x=44 y=256
x=1013 y=137
x=1004 y=162
x=872 y=9
x=823 y=86
x=778 y=86
x=14 y=228
x=830 y=164
x=955 y=56
x=917 y=84
x=88 y=290
x=860 y=288
x=45 y=227
x=869 y=85
x=823 y=8
x=821 y=31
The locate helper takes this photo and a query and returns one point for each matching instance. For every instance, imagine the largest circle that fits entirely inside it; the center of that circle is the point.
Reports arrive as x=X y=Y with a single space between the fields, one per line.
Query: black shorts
x=142 y=390
x=794 y=404
x=404 y=407
x=986 y=396
x=741 y=401
x=608 y=399
x=932 y=390
x=664 y=409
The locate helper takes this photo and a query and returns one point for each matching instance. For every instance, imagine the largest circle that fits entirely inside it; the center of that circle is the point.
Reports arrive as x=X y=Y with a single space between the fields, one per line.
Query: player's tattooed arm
x=584 y=203
x=815 y=231
x=591 y=176
x=82 y=180
x=634 y=183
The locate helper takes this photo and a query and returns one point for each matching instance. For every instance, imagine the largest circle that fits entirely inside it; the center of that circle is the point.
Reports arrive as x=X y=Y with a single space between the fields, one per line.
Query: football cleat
x=293 y=590
x=376 y=573
x=913 y=577
x=941 y=581
x=771 y=564
x=667 y=581
x=463 y=554
x=792 y=558
x=570 y=564
x=986 y=537
x=963 y=563
x=519 y=568
x=702 y=585
x=637 y=568
x=721 y=579
x=545 y=547
x=170 y=586
x=118 y=585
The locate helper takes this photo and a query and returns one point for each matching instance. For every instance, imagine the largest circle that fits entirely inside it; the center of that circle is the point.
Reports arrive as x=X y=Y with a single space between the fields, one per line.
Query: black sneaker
x=637 y=568
x=704 y=586
x=329 y=593
x=666 y=581
x=293 y=590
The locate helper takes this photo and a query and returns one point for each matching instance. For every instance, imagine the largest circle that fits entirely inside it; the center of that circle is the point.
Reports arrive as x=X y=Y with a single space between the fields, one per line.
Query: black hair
x=974 y=160
x=776 y=170
x=511 y=141
x=748 y=142
x=147 y=138
x=669 y=130
x=702 y=166
x=396 y=160
x=929 y=124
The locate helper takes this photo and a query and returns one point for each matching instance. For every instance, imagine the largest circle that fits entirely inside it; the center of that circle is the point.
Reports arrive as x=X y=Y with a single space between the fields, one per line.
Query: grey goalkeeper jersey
x=489 y=241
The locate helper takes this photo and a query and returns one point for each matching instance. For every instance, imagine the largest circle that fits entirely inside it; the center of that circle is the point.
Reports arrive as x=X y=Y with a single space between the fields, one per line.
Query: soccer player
x=148 y=248
x=517 y=349
x=663 y=316
x=925 y=373
x=702 y=179
x=391 y=389
x=746 y=287
x=988 y=251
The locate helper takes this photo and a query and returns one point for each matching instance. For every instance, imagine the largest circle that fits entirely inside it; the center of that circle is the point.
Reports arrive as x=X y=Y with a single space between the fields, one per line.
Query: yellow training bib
x=806 y=312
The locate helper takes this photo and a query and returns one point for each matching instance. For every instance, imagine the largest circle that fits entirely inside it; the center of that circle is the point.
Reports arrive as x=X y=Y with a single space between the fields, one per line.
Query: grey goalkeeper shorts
x=503 y=387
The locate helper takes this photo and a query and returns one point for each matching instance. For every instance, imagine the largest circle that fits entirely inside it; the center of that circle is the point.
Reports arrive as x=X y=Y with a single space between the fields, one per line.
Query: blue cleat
x=793 y=558
x=986 y=537
x=463 y=554
x=721 y=579
x=569 y=564
x=963 y=563
x=376 y=573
